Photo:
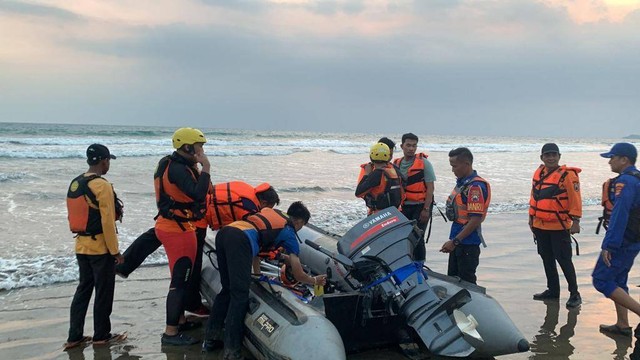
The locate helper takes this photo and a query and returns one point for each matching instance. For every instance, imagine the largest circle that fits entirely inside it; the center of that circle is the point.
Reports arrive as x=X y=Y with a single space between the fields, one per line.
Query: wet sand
x=34 y=321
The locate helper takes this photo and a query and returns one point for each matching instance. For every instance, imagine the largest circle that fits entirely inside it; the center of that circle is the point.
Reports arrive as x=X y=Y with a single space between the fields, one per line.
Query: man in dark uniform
x=466 y=209
x=621 y=243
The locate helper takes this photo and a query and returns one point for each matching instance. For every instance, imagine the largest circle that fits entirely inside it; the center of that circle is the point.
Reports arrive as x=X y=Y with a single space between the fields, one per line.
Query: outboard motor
x=381 y=248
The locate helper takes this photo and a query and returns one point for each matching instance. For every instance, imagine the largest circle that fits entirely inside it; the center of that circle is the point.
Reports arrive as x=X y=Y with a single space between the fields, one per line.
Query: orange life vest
x=83 y=208
x=268 y=222
x=549 y=200
x=229 y=202
x=608 y=194
x=171 y=201
x=456 y=209
x=388 y=193
x=414 y=186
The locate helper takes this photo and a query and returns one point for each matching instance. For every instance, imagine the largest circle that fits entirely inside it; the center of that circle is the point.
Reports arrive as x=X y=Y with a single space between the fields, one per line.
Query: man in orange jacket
x=555 y=209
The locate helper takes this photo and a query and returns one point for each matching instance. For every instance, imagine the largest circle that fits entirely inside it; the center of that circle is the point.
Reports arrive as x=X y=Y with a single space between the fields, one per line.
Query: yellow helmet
x=187 y=136
x=380 y=152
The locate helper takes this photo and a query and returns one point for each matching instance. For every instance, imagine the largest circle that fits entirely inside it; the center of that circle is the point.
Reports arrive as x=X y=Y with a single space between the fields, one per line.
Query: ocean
x=37 y=162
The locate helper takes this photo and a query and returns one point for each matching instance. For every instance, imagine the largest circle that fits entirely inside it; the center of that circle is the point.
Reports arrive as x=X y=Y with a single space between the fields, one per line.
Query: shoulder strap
x=88 y=192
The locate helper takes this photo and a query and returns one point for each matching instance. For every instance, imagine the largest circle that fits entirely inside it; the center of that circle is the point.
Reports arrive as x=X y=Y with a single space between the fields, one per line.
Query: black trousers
x=412 y=212
x=230 y=306
x=555 y=246
x=96 y=271
x=463 y=262
x=146 y=244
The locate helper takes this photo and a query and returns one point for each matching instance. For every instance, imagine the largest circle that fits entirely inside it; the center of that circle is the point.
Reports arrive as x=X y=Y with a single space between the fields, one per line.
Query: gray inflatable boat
x=377 y=296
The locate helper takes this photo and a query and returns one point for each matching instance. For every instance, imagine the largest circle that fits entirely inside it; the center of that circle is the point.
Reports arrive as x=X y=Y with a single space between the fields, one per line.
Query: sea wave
x=7 y=177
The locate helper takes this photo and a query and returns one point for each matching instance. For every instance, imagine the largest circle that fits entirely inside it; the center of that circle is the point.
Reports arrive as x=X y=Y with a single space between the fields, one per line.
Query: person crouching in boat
x=237 y=247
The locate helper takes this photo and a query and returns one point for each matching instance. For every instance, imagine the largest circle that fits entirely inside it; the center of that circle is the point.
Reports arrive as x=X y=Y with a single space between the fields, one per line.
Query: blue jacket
x=627 y=197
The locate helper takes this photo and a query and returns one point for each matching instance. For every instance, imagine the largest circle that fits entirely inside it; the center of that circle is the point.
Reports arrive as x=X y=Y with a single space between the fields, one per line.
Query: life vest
x=388 y=193
x=268 y=222
x=549 y=200
x=229 y=202
x=608 y=195
x=171 y=201
x=414 y=186
x=456 y=209
x=632 y=231
x=83 y=208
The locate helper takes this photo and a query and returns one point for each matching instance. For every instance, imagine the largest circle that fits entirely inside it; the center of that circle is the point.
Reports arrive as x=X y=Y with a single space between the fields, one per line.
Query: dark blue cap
x=622 y=149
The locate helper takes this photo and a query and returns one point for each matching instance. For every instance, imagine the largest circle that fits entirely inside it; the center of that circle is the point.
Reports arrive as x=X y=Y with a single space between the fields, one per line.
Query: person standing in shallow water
x=419 y=178
x=555 y=209
x=466 y=209
x=379 y=182
x=181 y=190
x=621 y=243
x=93 y=209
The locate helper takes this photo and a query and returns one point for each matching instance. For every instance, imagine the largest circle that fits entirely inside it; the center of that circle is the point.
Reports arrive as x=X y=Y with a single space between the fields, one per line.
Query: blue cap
x=622 y=149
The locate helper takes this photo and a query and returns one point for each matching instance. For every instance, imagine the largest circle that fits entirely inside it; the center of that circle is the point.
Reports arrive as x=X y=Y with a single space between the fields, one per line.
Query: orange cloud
x=589 y=11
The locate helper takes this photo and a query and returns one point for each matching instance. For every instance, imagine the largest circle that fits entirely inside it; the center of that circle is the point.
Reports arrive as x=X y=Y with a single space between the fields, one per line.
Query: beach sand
x=34 y=321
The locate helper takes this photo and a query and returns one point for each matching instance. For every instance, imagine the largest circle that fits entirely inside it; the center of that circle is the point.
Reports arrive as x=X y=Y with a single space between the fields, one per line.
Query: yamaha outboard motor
x=381 y=248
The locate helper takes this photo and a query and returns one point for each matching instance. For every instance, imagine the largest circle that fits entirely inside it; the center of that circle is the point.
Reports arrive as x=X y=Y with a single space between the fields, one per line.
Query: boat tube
x=376 y=296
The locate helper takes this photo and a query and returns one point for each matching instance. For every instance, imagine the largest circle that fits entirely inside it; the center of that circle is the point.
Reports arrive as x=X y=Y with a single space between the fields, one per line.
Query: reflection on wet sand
x=549 y=342
x=104 y=352
x=623 y=343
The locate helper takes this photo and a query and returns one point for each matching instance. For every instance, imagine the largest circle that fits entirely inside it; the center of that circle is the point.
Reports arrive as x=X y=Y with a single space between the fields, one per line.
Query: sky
x=445 y=67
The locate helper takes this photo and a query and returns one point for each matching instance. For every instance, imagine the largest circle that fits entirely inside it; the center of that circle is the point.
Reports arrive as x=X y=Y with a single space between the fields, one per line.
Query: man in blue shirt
x=621 y=243
x=237 y=246
x=466 y=208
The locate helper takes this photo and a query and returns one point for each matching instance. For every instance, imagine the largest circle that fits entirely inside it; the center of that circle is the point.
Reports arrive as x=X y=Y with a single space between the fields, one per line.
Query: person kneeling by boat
x=236 y=246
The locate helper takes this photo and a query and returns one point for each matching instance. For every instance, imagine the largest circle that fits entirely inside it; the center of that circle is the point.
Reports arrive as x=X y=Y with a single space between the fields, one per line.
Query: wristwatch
x=456 y=242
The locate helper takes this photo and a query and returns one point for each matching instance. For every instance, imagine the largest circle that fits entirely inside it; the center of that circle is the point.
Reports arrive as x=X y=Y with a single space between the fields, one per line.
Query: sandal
x=71 y=344
x=615 y=329
x=113 y=338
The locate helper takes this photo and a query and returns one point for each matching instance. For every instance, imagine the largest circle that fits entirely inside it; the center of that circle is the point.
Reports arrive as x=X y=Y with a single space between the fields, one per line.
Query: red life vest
x=171 y=201
x=549 y=200
x=83 y=208
x=229 y=202
x=414 y=186
x=268 y=222
x=388 y=193
x=456 y=209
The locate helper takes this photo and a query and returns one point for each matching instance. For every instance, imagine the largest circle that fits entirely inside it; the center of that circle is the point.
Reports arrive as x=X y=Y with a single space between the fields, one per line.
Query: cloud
x=485 y=68
x=22 y=8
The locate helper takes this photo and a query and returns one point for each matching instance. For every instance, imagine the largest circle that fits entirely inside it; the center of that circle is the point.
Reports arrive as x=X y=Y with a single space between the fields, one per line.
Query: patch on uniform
x=74 y=186
x=475 y=200
x=619 y=187
x=576 y=186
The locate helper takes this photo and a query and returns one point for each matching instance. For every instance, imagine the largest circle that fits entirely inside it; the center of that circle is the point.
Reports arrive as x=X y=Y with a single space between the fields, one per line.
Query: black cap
x=97 y=152
x=549 y=148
